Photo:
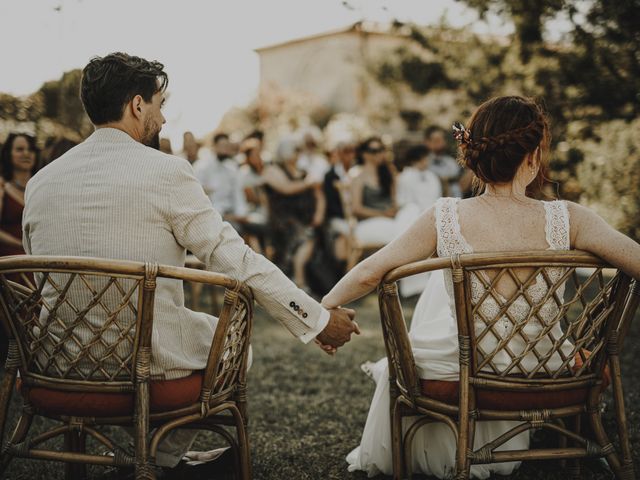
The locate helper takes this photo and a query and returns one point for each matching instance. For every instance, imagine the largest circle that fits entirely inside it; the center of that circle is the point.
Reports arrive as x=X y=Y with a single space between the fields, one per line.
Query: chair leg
x=243 y=445
x=396 y=440
x=7 y=386
x=143 y=468
x=575 y=464
x=18 y=436
x=75 y=441
x=463 y=463
x=627 y=470
x=470 y=442
x=595 y=420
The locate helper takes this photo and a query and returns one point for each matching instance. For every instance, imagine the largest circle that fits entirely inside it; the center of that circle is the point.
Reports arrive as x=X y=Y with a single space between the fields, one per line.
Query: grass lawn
x=307 y=409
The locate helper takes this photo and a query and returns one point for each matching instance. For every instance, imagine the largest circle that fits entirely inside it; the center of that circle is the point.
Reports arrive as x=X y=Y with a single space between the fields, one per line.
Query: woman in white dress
x=504 y=147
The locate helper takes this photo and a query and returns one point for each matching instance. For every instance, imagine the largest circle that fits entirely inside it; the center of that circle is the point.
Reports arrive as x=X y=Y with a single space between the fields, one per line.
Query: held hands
x=338 y=331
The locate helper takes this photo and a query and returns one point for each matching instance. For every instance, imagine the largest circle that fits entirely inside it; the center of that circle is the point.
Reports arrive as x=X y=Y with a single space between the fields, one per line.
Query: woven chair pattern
x=75 y=325
x=559 y=336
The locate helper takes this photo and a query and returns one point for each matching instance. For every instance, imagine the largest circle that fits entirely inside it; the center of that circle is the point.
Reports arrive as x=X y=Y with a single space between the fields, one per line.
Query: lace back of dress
x=521 y=332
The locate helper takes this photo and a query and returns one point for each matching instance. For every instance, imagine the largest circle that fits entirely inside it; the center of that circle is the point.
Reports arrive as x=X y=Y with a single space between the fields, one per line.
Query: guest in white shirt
x=221 y=181
x=440 y=162
x=418 y=189
x=417 y=185
x=311 y=159
x=256 y=228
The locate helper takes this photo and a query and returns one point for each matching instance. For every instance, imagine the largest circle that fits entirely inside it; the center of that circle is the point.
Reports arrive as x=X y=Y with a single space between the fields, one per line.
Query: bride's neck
x=505 y=190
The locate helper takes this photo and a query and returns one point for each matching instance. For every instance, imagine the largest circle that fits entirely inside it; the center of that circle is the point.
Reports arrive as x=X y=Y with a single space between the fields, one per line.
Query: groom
x=114 y=197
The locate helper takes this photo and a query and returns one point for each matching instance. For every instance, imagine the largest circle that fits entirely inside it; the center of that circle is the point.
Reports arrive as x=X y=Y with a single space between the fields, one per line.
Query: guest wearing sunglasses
x=372 y=194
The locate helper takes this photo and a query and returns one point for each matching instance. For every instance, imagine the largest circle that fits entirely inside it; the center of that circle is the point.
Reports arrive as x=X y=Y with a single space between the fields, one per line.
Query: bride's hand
x=326 y=348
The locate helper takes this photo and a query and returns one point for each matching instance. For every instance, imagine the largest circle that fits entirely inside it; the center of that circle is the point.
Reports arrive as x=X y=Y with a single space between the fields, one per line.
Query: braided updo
x=500 y=135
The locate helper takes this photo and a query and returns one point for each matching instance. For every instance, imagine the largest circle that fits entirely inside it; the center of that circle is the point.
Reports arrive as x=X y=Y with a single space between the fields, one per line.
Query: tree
x=528 y=17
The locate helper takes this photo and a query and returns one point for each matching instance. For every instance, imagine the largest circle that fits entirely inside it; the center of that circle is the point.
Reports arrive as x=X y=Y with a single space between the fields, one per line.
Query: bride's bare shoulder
x=584 y=220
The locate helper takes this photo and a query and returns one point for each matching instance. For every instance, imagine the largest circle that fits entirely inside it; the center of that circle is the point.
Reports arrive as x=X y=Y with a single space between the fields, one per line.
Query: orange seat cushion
x=448 y=392
x=166 y=395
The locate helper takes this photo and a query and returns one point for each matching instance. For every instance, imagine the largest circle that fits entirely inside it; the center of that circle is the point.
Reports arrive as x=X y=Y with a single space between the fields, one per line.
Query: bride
x=504 y=146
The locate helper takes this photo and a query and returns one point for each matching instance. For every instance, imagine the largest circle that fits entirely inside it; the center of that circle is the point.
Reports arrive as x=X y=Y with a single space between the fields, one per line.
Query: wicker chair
x=594 y=316
x=80 y=334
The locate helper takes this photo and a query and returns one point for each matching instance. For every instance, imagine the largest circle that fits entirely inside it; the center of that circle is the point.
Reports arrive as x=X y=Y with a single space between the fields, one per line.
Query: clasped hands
x=339 y=330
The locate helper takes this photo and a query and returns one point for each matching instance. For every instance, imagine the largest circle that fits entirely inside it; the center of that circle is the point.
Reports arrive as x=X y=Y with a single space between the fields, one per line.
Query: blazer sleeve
x=199 y=228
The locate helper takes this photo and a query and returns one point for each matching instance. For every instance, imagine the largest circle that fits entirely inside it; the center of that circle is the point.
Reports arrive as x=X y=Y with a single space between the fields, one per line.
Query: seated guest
x=296 y=208
x=190 y=147
x=221 y=152
x=418 y=190
x=221 y=182
x=440 y=162
x=341 y=157
x=417 y=185
x=143 y=205
x=252 y=183
x=311 y=159
x=59 y=147
x=372 y=194
x=18 y=162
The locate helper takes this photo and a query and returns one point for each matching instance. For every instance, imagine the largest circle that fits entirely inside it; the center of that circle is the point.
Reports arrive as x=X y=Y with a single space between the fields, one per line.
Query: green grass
x=307 y=409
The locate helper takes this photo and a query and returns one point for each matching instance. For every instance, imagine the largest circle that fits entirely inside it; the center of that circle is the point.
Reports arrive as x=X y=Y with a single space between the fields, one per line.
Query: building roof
x=358 y=27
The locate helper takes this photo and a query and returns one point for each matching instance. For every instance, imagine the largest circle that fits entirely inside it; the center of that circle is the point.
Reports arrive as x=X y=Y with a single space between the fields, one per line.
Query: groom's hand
x=339 y=329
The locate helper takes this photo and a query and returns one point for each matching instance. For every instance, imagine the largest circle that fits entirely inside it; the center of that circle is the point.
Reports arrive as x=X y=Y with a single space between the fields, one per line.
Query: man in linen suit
x=114 y=197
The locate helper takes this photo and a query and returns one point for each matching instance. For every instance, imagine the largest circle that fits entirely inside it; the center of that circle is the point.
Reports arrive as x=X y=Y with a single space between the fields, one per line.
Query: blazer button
x=292 y=304
x=305 y=315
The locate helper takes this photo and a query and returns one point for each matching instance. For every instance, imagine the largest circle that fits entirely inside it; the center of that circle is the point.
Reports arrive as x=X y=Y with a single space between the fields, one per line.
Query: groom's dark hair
x=110 y=82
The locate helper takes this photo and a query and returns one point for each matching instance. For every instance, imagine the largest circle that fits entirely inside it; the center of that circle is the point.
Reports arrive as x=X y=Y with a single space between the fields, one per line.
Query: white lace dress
x=434 y=338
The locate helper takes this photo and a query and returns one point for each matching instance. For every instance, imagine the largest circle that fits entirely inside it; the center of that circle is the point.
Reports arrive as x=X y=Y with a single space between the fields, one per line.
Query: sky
x=207 y=46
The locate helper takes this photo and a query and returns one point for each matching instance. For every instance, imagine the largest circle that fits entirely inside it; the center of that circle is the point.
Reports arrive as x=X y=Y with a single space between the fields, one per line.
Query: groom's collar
x=111 y=135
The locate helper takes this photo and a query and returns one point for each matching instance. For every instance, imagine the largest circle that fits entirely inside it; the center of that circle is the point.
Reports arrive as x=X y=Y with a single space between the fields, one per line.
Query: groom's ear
x=136 y=106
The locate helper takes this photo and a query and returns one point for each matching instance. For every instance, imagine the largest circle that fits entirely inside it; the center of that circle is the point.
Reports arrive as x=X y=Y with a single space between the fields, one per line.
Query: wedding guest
x=59 y=147
x=372 y=194
x=252 y=183
x=418 y=190
x=18 y=162
x=417 y=185
x=505 y=145
x=190 y=147
x=225 y=150
x=341 y=156
x=296 y=208
x=222 y=184
x=311 y=159
x=440 y=162
x=124 y=186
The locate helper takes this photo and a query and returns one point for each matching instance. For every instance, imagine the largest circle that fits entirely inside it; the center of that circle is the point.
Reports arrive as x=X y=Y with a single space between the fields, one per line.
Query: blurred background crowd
x=314 y=205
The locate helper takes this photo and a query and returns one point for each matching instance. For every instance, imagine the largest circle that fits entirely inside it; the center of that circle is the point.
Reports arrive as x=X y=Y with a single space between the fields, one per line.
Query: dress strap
x=557 y=225
x=450 y=240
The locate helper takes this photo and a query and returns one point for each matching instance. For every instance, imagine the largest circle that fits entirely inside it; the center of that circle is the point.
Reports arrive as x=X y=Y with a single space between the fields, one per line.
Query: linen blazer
x=112 y=197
